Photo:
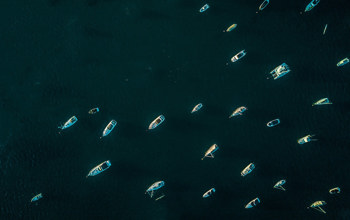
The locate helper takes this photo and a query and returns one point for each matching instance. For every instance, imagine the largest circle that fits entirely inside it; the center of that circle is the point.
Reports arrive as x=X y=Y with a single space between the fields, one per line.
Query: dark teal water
x=139 y=59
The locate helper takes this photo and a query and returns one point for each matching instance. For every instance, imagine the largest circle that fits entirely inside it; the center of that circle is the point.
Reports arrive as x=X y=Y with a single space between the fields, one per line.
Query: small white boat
x=343 y=62
x=323 y=101
x=196 y=108
x=160 y=197
x=109 y=128
x=334 y=190
x=238 y=56
x=204 y=8
x=248 y=169
x=306 y=139
x=279 y=185
x=317 y=205
x=311 y=5
x=210 y=152
x=99 y=168
x=263 y=5
x=252 y=203
x=69 y=123
x=155 y=186
x=280 y=71
x=231 y=28
x=94 y=111
x=238 y=111
x=325 y=28
x=208 y=193
x=273 y=123
x=37 y=197
x=156 y=122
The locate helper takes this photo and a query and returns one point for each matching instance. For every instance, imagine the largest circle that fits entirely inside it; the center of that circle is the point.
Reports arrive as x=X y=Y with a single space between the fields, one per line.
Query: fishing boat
x=156 y=122
x=325 y=28
x=94 y=111
x=109 y=128
x=334 y=190
x=306 y=139
x=210 y=152
x=273 y=123
x=279 y=185
x=204 y=8
x=155 y=186
x=99 y=168
x=69 y=123
x=324 y=101
x=37 y=197
x=248 y=169
x=252 y=203
x=263 y=5
x=231 y=28
x=196 y=108
x=238 y=111
x=208 y=193
x=280 y=71
x=317 y=205
x=343 y=62
x=238 y=56
x=311 y=5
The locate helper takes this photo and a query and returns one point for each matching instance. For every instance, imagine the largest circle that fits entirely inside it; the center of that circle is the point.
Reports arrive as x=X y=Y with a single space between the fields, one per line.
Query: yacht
x=69 y=123
x=311 y=5
x=263 y=5
x=99 y=168
x=109 y=128
x=196 y=108
x=155 y=186
x=323 y=101
x=210 y=152
x=248 y=169
x=37 y=197
x=279 y=185
x=208 y=193
x=280 y=71
x=156 y=122
x=238 y=56
x=343 y=62
x=238 y=111
x=231 y=28
x=204 y=8
x=306 y=139
x=252 y=203
x=273 y=123
x=94 y=111
x=317 y=205
x=334 y=190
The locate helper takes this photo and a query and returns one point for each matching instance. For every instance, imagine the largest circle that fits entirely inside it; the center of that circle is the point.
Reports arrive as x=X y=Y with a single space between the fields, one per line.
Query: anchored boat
x=204 y=8
x=109 y=128
x=317 y=205
x=279 y=185
x=343 y=62
x=155 y=186
x=208 y=193
x=306 y=139
x=263 y=5
x=156 y=122
x=248 y=169
x=37 y=197
x=311 y=5
x=196 y=108
x=334 y=190
x=323 y=101
x=69 y=123
x=273 y=123
x=279 y=71
x=252 y=203
x=93 y=111
x=231 y=28
x=210 y=152
x=238 y=111
x=99 y=168
x=238 y=56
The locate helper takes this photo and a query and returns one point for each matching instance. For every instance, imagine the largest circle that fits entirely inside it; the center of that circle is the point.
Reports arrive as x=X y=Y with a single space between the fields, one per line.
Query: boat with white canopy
x=238 y=111
x=156 y=122
x=99 y=168
x=248 y=169
x=306 y=139
x=69 y=123
x=210 y=152
x=317 y=205
x=155 y=186
x=279 y=71
x=109 y=128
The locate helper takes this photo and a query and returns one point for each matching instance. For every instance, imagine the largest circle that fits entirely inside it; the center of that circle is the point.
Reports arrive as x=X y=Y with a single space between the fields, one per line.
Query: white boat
x=233 y=26
x=334 y=190
x=208 y=193
x=156 y=122
x=238 y=56
x=280 y=71
x=204 y=8
x=252 y=203
x=273 y=123
x=263 y=5
x=99 y=168
x=306 y=139
x=93 y=111
x=325 y=28
x=37 y=197
x=323 y=101
x=155 y=186
x=311 y=5
x=69 y=123
x=210 y=152
x=279 y=185
x=248 y=169
x=317 y=205
x=196 y=108
x=109 y=128
x=238 y=111
x=343 y=62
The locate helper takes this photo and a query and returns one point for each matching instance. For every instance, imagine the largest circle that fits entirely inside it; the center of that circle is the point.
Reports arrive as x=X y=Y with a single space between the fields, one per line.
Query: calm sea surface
x=137 y=59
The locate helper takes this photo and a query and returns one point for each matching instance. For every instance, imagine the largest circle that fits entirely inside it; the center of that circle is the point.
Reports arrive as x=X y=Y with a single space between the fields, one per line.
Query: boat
x=334 y=190
x=263 y=5
x=273 y=123
x=94 y=111
x=280 y=71
x=204 y=8
x=109 y=128
x=279 y=185
x=208 y=193
x=306 y=139
x=238 y=56
x=37 y=197
x=311 y=5
x=343 y=62
x=317 y=205
x=99 y=168
x=238 y=111
x=69 y=123
x=231 y=28
x=156 y=122
x=248 y=169
x=323 y=101
x=196 y=108
x=325 y=28
x=252 y=203
x=210 y=152
x=155 y=186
